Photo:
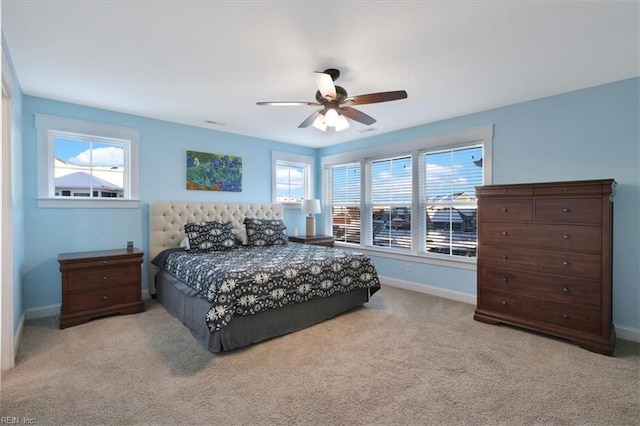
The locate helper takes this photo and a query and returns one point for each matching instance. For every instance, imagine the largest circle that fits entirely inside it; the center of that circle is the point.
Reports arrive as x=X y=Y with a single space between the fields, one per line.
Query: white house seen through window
x=82 y=164
x=85 y=168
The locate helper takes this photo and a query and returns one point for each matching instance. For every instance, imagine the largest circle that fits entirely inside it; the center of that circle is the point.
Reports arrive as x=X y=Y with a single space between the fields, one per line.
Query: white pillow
x=185 y=243
x=241 y=235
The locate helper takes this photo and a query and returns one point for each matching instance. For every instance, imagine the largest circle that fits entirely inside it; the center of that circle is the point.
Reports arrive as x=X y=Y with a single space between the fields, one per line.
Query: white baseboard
x=18 y=335
x=42 y=311
x=145 y=294
x=427 y=289
x=627 y=333
x=622 y=332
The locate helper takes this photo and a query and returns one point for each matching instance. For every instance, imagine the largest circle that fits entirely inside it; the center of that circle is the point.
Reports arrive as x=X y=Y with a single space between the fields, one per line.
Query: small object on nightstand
x=317 y=240
x=129 y=245
x=99 y=283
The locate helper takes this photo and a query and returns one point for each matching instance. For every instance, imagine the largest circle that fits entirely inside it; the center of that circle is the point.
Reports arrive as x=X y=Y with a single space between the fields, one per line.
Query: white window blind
x=345 y=202
x=450 y=205
x=390 y=198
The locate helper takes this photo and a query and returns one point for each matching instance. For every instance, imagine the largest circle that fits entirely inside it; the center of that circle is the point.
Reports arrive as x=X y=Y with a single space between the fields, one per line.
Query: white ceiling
x=192 y=61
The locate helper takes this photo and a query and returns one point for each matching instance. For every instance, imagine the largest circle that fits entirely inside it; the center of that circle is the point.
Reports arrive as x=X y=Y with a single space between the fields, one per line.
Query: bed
x=246 y=294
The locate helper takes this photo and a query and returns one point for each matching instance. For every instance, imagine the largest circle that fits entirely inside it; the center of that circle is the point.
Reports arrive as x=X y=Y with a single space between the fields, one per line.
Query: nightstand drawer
x=101 y=299
x=86 y=279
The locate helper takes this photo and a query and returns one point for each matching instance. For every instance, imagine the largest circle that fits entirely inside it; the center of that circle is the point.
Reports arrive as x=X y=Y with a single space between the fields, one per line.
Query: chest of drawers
x=544 y=259
x=99 y=283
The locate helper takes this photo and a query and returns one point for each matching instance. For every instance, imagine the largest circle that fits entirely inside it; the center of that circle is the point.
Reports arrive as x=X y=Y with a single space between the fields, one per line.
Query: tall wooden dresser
x=544 y=259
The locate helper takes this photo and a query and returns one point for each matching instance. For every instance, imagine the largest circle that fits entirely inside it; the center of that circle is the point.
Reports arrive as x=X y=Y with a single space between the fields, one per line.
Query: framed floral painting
x=214 y=172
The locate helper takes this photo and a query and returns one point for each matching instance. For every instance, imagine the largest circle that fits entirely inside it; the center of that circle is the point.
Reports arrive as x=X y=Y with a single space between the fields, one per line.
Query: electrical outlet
x=407 y=267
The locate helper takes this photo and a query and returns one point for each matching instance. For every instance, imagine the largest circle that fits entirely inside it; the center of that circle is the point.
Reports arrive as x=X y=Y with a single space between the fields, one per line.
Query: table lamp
x=311 y=208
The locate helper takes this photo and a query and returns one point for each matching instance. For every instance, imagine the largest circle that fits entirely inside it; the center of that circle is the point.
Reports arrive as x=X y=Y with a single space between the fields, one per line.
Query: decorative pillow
x=264 y=232
x=209 y=236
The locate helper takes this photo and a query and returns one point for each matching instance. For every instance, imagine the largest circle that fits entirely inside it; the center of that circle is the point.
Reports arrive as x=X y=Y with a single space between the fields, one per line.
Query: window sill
x=61 y=203
x=291 y=206
x=468 y=263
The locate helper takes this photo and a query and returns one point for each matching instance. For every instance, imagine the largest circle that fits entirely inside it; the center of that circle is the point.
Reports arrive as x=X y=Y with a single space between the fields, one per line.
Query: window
x=83 y=164
x=345 y=202
x=418 y=197
x=390 y=202
x=292 y=178
x=450 y=204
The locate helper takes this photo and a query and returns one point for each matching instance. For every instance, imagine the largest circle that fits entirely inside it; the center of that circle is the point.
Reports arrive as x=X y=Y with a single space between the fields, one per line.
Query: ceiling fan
x=335 y=103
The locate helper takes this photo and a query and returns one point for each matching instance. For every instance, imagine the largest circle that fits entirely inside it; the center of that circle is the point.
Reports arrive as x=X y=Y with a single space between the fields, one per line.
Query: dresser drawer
x=560 y=237
x=524 y=309
x=543 y=286
x=568 y=264
x=507 y=210
x=102 y=298
x=568 y=189
x=569 y=210
x=508 y=191
x=103 y=276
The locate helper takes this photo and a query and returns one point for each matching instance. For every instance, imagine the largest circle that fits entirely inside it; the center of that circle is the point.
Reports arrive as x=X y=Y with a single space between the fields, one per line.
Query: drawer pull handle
x=565 y=315
x=104 y=297
x=504 y=302
x=505 y=233
x=504 y=209
x=565 y=210
x=504 y=256
x=565 y=263
x=566 y=237
x=104 y=278
x=504 y=191
x=104 y=261
x=566 y=290
x=565 y=189
x=504 y=279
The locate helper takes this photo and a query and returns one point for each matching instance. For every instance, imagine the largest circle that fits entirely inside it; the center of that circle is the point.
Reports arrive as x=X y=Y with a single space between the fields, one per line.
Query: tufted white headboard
x=167 y=220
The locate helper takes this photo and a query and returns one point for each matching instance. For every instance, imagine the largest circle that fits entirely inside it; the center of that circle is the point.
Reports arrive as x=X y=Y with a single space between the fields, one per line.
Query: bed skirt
x=182 y=302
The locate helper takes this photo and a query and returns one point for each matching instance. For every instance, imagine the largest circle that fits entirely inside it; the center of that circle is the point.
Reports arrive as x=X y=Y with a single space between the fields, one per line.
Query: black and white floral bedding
x=246 y=279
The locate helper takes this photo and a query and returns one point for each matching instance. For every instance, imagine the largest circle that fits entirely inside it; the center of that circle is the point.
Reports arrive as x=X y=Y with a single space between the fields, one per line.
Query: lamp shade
x=311 y=206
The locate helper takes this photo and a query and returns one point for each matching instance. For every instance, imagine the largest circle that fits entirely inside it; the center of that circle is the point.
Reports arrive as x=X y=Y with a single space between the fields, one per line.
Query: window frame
x=480 y=135
x=293 y=160
x=48 y=127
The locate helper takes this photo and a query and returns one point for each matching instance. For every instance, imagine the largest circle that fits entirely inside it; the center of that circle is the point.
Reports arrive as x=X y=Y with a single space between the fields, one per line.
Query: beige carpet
x=406 y=358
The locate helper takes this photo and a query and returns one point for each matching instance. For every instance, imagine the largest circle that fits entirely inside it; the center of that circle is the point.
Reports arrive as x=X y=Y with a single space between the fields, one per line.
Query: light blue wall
x=586 y=134
x=163 y=148
x=10 y=77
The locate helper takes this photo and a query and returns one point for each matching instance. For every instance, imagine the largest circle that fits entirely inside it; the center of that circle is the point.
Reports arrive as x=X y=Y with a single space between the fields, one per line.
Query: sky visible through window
x=289 y=183
x=85 y=153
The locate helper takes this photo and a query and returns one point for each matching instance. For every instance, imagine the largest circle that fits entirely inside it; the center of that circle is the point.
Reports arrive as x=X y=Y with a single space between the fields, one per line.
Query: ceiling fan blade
x=356 y=115
x=325 y=85
x=288 y=103
x=373 y=98
x=309 y=120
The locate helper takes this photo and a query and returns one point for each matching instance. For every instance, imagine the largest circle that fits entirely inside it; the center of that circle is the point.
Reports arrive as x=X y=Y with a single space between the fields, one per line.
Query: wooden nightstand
x=99 y=283
x=318 y=240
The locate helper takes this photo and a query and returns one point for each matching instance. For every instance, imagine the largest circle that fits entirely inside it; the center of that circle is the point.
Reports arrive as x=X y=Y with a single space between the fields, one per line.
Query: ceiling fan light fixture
x=331 y=117
x=342 y=123
x=319 y=123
